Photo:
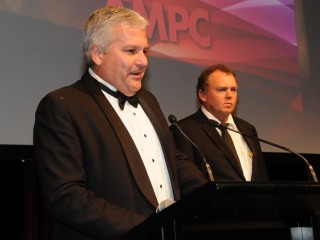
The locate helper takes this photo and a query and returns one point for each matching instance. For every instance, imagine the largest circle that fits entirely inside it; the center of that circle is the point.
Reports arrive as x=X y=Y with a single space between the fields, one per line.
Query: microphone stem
x=313 y=174
x=206 y=165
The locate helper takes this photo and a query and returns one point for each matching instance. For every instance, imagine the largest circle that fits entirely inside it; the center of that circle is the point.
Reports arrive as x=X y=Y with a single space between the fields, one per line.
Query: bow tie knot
x=133 y=100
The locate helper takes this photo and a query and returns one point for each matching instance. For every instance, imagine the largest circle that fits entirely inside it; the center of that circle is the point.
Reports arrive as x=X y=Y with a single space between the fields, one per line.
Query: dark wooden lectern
x=237 y=210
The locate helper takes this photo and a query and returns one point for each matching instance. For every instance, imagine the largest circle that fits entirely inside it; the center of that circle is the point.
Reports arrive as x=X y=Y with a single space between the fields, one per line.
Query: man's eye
x=132 y=51
x=221 y=89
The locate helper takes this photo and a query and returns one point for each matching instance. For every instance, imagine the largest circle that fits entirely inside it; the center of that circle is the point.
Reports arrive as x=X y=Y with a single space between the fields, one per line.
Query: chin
x=136 y=86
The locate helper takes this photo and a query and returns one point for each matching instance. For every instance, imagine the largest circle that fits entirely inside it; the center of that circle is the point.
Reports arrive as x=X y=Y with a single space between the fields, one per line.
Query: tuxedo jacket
x=223 y=163
x=91 y=175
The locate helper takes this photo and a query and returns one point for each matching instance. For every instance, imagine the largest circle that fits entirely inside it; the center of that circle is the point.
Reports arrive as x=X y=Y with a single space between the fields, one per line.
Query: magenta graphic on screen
x=267 y=43
x=253 y=37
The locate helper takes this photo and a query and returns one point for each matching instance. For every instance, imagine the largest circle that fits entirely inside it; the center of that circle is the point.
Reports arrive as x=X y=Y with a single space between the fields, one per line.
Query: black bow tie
x=121 y=97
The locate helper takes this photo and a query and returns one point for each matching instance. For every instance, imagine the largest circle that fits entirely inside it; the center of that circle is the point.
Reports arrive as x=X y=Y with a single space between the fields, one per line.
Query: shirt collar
x=230 y=120
x=99 y=79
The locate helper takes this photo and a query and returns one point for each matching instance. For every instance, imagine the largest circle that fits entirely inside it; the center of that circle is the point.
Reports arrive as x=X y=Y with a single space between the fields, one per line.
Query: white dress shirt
x=147 y=142
x=243 y=151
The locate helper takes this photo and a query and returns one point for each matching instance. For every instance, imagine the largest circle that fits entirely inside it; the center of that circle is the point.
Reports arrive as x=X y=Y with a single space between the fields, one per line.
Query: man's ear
x=96 y=54
x=202 y=95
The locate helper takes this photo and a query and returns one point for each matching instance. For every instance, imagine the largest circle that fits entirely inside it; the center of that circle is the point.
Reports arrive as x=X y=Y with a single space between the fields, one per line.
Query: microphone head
x=172 y=119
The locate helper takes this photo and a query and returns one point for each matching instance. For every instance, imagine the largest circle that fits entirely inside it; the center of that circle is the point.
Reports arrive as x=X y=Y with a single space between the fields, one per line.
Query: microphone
x=312 y=172
x=173 y=120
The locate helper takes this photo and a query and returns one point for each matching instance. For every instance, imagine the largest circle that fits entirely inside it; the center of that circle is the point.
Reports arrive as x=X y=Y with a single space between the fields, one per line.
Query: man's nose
x=142 y=60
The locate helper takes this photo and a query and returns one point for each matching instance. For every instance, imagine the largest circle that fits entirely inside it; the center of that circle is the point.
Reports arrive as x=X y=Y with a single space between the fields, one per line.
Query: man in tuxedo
x=105 y=165
x=217 y=91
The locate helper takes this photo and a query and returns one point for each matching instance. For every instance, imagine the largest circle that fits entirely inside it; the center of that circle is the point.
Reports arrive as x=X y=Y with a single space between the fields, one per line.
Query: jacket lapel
x=250 y=141
x=136 y=164
x=162 y=138
x=216 y=139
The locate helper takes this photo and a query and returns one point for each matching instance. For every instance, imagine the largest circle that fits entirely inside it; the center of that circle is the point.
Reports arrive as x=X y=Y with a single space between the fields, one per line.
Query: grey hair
x=99 y=26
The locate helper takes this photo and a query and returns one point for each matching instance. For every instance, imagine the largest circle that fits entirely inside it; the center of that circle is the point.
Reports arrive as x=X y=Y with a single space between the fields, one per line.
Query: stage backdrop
x=272 y=46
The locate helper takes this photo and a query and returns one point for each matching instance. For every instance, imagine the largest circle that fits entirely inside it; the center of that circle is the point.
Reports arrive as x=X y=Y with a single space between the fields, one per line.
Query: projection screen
x=265 y=42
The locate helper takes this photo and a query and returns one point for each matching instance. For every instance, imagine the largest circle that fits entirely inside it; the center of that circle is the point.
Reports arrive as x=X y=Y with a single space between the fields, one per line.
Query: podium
x=237 y=210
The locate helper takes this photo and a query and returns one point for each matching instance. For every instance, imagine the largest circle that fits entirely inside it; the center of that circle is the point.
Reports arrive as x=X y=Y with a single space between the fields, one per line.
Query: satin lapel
x=162 y=138
x=136 y=164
